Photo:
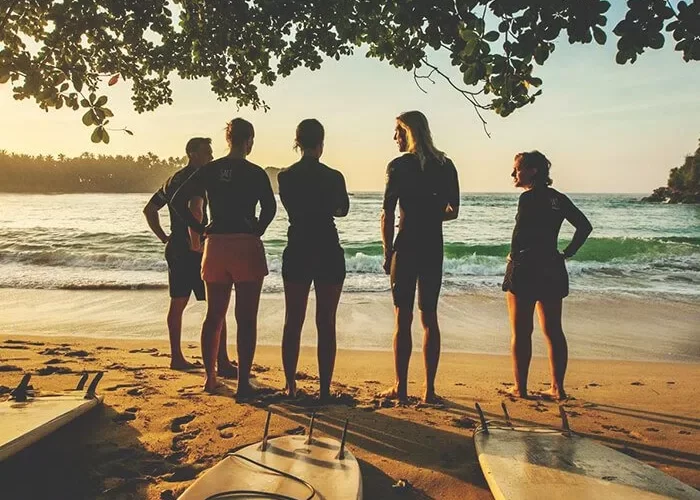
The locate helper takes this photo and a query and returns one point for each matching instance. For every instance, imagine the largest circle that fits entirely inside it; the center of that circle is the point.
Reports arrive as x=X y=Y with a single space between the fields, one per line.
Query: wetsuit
x=423 y=195
x=183 y=263
x=313 y=194
x=233 y=251
x=536 y=269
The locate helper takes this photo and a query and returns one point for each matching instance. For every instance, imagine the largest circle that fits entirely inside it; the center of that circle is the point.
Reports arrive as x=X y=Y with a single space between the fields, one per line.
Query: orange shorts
x=232 y=258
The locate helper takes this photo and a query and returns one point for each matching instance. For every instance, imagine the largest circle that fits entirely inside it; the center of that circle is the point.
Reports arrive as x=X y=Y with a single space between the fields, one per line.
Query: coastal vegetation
x=67 y=54
x=89 y=173
x=683 y=183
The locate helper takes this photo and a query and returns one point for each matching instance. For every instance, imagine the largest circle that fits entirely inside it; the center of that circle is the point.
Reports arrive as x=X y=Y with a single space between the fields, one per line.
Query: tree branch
x=469 y=96
x=7 y=14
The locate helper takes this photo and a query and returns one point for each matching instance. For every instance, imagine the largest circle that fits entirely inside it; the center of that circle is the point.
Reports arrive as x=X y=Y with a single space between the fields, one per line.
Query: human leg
x=224 y=367
x=327 y=298
x=296 y=296
x=520 y=312
x=246 y=310
x=218 y=298
x=175 y=310
x=549 y=313
x=403 y=288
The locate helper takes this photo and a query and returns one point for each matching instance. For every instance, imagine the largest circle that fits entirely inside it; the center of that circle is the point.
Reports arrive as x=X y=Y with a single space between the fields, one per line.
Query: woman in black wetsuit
x=536 y=273
x=234 y=255
x=313 y=194
x=424 y=184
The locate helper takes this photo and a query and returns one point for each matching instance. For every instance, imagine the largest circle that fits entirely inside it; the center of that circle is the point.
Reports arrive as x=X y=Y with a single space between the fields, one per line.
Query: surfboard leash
x=263 y=494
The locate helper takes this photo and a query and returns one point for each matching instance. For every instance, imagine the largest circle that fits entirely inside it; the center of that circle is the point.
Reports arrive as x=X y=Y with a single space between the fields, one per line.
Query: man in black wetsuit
x=182 y=253
x=424 y=183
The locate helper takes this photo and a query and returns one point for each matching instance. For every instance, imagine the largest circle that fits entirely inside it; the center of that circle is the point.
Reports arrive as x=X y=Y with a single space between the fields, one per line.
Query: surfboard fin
x=505 y=413
x=564 y=421
x=341 y=453
x=484 y=425
x=21 y=392
x=311 y=428
x=90 y=392
x=263 y=444
x=82 y=381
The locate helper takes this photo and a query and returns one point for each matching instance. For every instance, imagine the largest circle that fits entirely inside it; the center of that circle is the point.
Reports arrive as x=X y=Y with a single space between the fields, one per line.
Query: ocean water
x=101 y=241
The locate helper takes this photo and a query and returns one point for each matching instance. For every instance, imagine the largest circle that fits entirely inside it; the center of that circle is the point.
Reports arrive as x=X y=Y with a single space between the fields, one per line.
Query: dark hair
x=309 y=134
x=238 y=132
x=195 y=144
x=538 y=161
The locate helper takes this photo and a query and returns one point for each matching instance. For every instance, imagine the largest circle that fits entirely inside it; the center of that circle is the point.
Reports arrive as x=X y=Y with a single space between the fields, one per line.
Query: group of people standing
x=215 y=248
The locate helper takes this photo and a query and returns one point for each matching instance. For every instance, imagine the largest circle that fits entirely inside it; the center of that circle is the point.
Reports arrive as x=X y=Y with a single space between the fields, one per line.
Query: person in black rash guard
x=183 y=254
x=233 y=252
x=424 y=183
x=313 y=194
x=536 y=273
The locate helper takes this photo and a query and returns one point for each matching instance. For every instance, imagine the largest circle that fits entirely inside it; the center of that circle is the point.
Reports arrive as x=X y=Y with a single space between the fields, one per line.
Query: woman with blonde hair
x=424 y=184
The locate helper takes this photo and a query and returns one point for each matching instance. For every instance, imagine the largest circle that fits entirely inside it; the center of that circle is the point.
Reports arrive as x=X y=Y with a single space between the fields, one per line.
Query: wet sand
x=157 y=431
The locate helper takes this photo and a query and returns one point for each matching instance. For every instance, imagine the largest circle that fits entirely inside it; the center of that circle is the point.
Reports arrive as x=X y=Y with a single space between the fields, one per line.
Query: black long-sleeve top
x=233 y=188
x=541 y=212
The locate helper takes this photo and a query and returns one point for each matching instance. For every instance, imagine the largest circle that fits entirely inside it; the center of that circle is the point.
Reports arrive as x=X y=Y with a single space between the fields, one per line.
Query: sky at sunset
x=605 y=127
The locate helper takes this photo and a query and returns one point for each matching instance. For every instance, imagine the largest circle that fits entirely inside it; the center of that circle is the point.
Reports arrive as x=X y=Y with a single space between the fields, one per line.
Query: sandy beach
x=157 y=431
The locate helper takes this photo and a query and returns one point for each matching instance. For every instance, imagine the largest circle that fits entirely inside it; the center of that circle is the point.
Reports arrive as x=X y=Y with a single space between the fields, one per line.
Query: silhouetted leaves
x=240 y=45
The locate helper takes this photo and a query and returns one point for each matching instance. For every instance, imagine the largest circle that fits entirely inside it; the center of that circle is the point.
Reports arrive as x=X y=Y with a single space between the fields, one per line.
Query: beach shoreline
x=132 y=447
x=598 y=326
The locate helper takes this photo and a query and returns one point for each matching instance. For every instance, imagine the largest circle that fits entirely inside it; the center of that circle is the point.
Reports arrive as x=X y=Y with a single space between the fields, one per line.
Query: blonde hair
x=419 y=138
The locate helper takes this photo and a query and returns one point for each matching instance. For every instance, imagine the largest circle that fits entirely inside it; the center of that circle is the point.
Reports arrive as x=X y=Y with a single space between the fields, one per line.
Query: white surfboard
x=546 y=463
x=305 y=467
x=28 y=417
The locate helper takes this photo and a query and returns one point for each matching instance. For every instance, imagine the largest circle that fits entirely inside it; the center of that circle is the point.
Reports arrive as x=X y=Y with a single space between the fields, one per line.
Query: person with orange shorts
x=234 y=255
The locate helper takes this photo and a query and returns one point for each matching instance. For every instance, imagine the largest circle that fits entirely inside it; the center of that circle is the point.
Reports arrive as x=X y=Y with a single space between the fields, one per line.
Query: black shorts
x=537 y=278
x=320 y=264
x=184 y=272
x=421 y=267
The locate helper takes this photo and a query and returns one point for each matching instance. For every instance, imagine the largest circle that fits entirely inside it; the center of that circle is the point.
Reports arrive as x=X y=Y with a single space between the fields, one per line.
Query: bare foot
x=394 y=393
x=244 y=392
x=553 y=394
x=227 y=370
x=214 y=387
x=430 y=398
x=184 y=365
x=515 y=392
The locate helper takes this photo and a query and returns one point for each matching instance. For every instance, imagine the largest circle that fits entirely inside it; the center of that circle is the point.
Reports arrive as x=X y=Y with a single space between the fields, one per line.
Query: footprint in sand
x=105 y=348
x=177 y=423
x=124 y=417
x=226 y=425
x=55 y=361
x=120 y=386
x=144 y=350
x=180 y=440
x=651 y=429
x=182 y=473
x=10 y=368
x=687 y=433
x=50 y=370
x=464 y=422
x=591 y=384
x=637 y=383
x=136 y=391
x=23 y=342
x=15 y=347
x=459 y=383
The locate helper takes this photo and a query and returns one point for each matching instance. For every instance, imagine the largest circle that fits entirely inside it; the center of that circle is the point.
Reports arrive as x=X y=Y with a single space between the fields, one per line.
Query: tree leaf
x=599 y=35
x=101 y=101
x=88 y=118
x=128 y=131
x=113 y=80
x=96 y=135
x=105 y=136
x=491 y=36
